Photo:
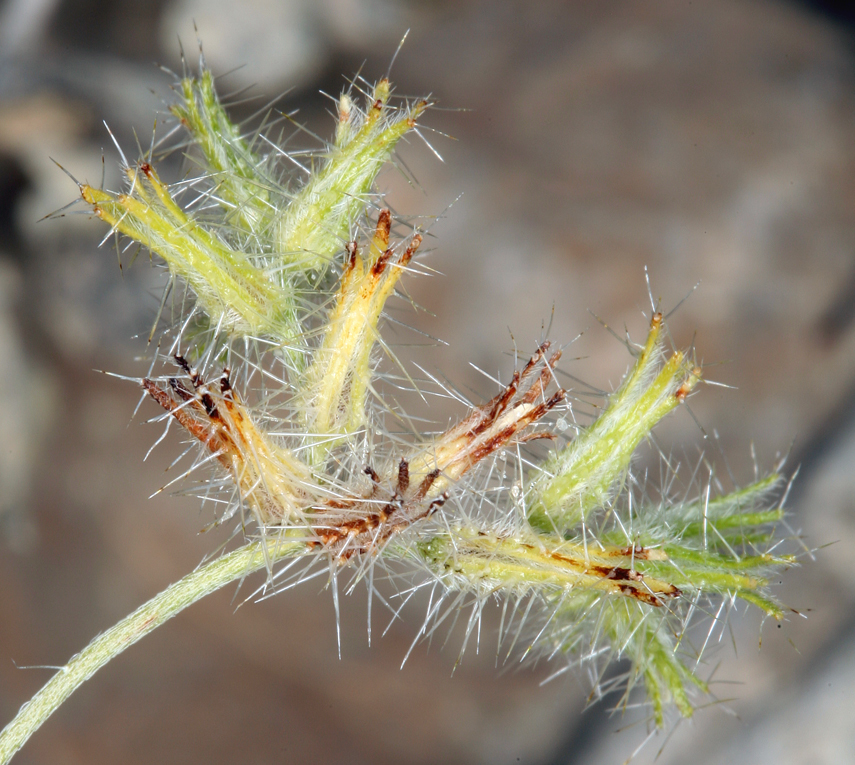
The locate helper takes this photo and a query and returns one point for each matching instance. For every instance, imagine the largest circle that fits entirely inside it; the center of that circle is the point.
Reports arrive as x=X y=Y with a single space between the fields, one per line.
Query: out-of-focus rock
x=27 y=407
x=279 y=41
x=282 y=44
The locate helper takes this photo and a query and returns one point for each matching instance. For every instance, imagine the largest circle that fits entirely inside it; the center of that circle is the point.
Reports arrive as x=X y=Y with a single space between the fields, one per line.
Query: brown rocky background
x=712 y=142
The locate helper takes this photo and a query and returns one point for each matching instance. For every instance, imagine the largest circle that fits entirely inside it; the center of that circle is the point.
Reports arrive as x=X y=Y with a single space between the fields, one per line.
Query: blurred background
x=712 y=142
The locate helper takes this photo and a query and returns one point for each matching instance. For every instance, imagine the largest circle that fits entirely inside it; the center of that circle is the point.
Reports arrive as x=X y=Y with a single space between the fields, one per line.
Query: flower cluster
x=274 y=363
x=273 y=269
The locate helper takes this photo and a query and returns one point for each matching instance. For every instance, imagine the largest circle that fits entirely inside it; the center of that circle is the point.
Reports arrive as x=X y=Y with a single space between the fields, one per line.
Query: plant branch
x=175 y=598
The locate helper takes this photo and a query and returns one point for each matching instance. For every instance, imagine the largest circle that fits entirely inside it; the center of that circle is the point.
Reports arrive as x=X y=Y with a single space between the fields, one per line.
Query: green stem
x=175 y=598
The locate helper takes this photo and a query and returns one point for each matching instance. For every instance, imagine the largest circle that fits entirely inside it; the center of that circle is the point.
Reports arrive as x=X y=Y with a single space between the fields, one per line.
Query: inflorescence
x=274 y=363
x=278 y=286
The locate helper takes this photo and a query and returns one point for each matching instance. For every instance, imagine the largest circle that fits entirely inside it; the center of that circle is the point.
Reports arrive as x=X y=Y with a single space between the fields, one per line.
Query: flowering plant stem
x=206 y=579
x=279 y=291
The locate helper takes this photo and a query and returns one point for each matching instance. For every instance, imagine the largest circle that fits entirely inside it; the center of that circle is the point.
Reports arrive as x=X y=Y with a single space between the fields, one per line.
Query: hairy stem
x=175 y=598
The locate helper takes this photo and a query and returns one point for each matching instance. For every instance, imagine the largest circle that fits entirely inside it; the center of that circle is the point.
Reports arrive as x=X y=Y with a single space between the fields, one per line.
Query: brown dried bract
x=198 y=413
x=279 y=488
x=497 y=423
x=363 y=524
x=621 y=579
x=272 y=482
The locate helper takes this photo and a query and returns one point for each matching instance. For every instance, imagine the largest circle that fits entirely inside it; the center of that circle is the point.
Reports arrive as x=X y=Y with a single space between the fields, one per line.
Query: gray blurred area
x=711 y=142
